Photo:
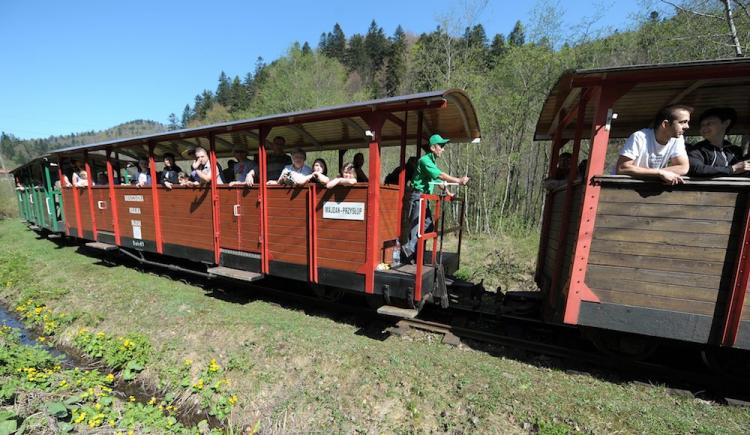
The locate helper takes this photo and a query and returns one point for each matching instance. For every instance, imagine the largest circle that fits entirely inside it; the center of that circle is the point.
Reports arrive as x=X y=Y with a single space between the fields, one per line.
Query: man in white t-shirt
x=659 y=152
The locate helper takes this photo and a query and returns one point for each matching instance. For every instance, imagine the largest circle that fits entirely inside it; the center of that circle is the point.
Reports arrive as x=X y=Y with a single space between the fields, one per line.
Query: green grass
x=299 y=372
x=8 y=198
x=505 y=260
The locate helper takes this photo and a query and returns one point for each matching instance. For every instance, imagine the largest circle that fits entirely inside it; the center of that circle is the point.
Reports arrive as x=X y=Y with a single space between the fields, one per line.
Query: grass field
x=8 y=200
x=300 y=370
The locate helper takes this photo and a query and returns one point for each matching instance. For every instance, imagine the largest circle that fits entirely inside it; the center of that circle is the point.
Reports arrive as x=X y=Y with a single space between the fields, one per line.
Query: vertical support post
x=563 y=231
x=341 y=160
x=736 y=299
x=62 y=186
x=263 y=197
x=155 y=199
x=49 y=196
x=119 y=168
x=375 y=121
x=402 y=175
x=420 y=250
x=90 y=191
x=113 y=197
x=577 y=290
x=312 y=231
x=420 y=123
x=214 y=197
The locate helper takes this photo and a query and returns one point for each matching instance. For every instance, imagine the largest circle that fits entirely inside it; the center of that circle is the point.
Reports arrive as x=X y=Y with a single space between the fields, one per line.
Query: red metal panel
x=375 y=121
x=113 y=198
x=563 y=231
x=312 y=233
x=155 y=200
x=736 y=299
x=577 y=289
x=214 y=198
x=263 y=198
x=90 y=193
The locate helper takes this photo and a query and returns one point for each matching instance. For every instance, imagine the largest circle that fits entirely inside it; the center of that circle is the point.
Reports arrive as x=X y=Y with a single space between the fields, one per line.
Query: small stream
x=123 y=389
x=29 y=338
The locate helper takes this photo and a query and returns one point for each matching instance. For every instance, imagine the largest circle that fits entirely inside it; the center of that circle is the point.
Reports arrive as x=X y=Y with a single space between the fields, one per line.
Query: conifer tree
x=517 y=36
x=173 y=124
x=356 y=56
x=223 y=90
x=186 y=115
x=396 y=62
x=337 y=43
x=306 y=48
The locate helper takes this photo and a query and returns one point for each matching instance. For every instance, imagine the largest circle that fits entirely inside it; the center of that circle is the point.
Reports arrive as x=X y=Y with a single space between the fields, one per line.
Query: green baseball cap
x=436 y=139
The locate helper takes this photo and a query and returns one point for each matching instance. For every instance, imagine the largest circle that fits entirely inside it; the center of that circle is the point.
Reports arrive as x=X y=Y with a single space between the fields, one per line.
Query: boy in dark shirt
x=715 y=156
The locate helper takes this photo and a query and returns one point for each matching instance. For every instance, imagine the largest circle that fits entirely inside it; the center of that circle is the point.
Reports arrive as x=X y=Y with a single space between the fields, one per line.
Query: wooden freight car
x=635 y=256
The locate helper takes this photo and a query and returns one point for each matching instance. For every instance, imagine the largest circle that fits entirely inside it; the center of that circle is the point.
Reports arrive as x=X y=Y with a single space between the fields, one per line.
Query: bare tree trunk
x=732 y=28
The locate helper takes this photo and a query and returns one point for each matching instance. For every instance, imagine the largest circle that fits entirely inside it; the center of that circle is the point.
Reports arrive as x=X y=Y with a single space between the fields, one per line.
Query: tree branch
x=742 y=6
x=700 y=14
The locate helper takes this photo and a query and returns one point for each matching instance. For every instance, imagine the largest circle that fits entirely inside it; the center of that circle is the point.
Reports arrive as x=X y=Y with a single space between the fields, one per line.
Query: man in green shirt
x=427 y=171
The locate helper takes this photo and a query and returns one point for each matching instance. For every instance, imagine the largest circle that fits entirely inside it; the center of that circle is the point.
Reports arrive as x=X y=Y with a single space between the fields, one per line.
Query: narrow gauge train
x=630 y=262
x=335 y=238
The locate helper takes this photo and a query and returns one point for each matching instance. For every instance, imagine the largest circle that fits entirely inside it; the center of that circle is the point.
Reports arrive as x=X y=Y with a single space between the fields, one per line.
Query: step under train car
x=635 y=261
x=337 y=238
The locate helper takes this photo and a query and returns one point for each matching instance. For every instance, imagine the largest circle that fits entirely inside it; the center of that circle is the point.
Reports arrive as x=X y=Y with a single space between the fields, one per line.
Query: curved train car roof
x=449 y=112
x=702 y=84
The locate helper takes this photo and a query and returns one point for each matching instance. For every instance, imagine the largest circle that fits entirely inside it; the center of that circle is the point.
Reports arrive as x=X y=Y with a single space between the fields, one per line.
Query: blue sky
x=71 y=66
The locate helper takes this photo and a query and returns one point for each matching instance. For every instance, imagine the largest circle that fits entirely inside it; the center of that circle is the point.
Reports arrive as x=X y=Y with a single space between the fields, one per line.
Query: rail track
x=483 y=328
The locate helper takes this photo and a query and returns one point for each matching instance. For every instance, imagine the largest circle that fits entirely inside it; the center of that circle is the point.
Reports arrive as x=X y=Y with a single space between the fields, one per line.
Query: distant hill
x=17 y=151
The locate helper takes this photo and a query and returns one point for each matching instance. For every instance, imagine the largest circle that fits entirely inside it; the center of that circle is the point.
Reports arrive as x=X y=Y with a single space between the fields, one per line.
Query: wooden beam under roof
x=306 y=134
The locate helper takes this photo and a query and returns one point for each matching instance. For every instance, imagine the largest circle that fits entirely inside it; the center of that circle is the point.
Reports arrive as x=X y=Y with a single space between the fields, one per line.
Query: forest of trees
x=506 y=75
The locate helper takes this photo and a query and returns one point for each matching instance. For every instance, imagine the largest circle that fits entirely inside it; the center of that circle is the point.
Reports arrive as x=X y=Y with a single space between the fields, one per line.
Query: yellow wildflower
x=198 y=385
x=152 y=401
x=131 y=399
x=110 y=377
x=233 y=399
x=80 y=418
x=188 y=361
x=42 y=339
x=213 y=367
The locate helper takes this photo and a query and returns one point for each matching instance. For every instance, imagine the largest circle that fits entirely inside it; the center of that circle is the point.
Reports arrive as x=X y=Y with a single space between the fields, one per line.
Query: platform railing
x=438 y=221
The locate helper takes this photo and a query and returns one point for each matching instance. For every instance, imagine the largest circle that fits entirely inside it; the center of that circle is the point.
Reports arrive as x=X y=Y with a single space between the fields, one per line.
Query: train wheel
x=328 y=293
x=617 y=344
x=726 y=361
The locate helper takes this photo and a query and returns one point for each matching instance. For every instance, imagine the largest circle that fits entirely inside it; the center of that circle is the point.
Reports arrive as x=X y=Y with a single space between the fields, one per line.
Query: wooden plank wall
x=130 y=211
x=69 y=207
x=287 y=224
x=390 y=227
x=186 y=216
x=103 y=216
x=551 y=255
x=83 y=201
x=341 y=243
x=663 y=249
x=242 y=232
